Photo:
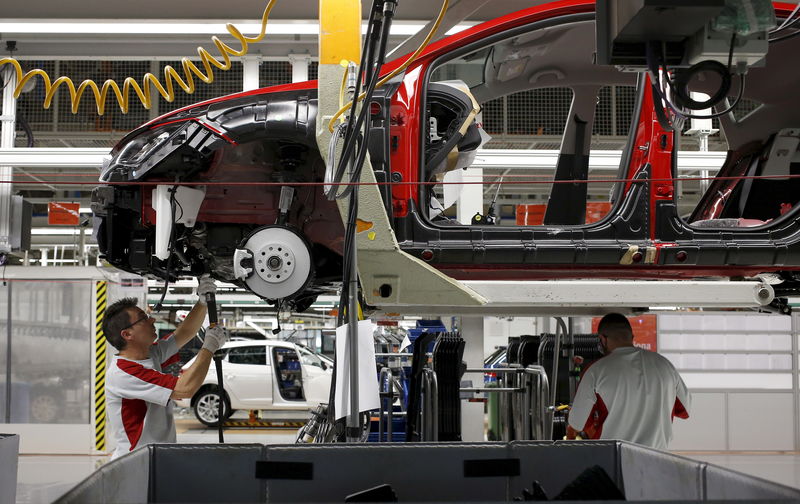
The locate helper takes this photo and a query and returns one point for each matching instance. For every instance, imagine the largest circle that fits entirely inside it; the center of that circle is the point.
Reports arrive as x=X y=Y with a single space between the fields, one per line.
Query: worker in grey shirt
x=630 y=394
x=139 y=394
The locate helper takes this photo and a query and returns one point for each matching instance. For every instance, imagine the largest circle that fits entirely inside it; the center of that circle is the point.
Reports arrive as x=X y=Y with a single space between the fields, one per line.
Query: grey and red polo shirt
x=138 y=398
x=630 y=394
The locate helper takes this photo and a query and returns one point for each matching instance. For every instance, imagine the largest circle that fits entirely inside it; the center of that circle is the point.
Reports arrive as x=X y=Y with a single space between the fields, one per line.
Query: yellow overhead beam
x=339 y=31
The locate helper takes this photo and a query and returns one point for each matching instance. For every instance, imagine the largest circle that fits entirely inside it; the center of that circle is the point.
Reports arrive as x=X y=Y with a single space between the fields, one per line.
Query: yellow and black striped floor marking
x=263 y=423
x=101 y=298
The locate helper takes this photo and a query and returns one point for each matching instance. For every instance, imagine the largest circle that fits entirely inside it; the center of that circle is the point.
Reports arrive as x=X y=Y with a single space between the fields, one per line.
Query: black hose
x=683 y=78
x=221 y=408
x=211 y=303
x=356 y=145
x=26 y=127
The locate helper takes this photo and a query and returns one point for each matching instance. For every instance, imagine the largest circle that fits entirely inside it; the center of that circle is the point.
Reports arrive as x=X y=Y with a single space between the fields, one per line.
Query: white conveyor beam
x=596 y=297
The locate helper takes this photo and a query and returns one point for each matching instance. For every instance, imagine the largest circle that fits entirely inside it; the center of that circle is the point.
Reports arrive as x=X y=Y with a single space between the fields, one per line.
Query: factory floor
x=43 y=478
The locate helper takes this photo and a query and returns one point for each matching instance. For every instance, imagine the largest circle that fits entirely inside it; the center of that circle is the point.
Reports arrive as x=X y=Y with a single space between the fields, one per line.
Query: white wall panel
x=714 y=361
x=760 y=421
x=735 y=341
x=780 y=323
x=733 y=381
x=782 y=362
x=705 y=429
x=669 y=322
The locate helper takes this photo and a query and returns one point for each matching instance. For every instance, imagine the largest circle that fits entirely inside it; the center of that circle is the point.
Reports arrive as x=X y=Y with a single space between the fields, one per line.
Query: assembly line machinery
x=393 y=280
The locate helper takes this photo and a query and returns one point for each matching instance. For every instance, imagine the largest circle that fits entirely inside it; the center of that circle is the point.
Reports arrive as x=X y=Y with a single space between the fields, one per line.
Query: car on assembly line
x=239 y=151
x=266 y=375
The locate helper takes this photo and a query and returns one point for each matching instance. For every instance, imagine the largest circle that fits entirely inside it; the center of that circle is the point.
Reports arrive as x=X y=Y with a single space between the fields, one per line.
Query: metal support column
x=250 y=76
x=340 y=39
x=352 y=337
x=9 y=116
x=795 y=380
x=299 y=66
x=472 y=421
x=9 y=324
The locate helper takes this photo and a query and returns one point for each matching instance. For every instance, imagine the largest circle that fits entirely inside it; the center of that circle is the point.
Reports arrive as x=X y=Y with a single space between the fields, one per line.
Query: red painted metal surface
x=652 y=144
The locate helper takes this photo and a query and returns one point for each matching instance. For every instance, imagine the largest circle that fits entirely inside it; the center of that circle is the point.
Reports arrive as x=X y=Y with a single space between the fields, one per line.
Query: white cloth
x=367 y=378
x=633 y=395
x=138 y=398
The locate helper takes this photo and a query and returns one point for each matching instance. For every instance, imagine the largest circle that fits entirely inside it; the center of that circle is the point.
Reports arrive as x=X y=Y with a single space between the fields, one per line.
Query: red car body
x=256 y=142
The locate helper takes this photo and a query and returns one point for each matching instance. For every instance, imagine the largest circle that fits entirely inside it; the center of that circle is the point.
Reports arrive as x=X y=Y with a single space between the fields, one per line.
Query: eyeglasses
x=143 y=318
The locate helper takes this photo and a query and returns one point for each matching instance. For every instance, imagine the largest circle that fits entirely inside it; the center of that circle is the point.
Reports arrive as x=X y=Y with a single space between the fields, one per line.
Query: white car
x=263 y=375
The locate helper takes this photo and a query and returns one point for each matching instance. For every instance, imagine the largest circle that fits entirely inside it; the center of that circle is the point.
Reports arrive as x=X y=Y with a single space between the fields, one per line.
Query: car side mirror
x=324 y=366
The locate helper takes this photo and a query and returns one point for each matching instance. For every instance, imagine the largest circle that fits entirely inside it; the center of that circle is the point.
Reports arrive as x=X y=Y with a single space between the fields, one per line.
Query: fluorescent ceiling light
x=162 y=27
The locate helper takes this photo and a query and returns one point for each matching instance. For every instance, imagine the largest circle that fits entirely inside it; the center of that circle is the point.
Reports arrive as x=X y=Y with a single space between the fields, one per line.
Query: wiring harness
x=672 y=85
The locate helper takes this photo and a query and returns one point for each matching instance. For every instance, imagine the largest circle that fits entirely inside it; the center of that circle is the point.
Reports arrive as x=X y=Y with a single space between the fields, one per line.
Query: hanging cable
x=143 y=93
x=663 y=86
x=356 y=134
x=401 y=68
x=789 y=21
x=785 y=37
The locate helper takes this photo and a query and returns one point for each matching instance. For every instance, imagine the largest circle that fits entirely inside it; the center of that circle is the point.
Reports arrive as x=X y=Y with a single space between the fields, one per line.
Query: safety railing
x=389 y=391
x=524 y=401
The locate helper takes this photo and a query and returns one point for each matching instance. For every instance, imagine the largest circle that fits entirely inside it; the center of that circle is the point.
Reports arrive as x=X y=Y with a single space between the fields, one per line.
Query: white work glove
x=215 y=338
x=205 y=285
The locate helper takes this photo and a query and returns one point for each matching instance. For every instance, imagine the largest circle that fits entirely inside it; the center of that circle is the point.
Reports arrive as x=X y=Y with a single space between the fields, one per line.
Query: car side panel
x=249 y=386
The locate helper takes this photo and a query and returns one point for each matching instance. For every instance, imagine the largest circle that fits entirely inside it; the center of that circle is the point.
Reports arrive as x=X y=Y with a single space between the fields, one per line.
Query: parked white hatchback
x=263 y=375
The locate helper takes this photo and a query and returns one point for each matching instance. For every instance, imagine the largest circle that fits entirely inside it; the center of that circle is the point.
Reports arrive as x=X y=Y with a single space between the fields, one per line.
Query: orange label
x=645 y=331
x=63 y=214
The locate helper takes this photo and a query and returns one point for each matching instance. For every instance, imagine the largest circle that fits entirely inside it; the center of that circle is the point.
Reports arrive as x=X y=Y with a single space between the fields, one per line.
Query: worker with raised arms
x=138 y=393
x=630 y=394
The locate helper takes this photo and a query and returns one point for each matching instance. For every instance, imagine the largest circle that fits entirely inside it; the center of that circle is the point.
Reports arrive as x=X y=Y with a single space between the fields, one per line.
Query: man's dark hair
x=615 y=326
x=116 y=319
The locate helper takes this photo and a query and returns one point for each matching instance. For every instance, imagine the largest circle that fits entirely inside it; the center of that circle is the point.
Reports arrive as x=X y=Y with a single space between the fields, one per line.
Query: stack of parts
x=447 y=363
x=418 y=365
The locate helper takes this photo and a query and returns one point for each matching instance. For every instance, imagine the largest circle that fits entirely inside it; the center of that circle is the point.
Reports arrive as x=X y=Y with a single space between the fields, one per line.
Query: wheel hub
x=274 y=262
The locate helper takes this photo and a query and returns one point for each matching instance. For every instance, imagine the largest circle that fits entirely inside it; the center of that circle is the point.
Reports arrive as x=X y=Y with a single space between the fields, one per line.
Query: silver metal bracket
x=241 y=272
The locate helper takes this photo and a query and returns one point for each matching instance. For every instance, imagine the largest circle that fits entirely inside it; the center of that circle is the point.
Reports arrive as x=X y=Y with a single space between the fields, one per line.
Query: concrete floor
x=42 y=479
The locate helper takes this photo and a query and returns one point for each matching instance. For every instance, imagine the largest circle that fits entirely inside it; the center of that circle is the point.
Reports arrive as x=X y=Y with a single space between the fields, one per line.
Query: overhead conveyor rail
x=596 y=297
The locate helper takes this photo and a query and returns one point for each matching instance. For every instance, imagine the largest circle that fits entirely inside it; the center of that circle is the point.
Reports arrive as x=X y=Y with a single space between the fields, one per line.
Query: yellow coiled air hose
x=171 y=75
x=167 y=91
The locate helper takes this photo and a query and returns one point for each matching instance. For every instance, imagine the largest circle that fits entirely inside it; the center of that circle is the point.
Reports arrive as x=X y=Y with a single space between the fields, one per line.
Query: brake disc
x=274 y=262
